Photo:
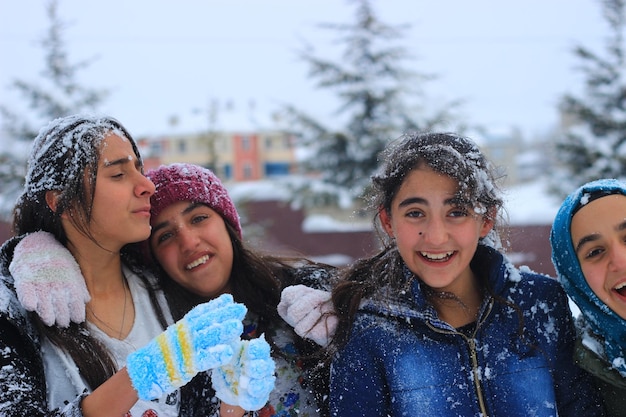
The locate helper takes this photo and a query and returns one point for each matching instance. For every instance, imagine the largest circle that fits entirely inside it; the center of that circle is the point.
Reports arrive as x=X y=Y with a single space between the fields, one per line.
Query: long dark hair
x=64 y=158
x=256 y=280
x=449 y=154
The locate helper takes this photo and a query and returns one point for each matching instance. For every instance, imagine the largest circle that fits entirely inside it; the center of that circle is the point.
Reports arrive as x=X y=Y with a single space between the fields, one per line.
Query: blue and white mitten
x=48 y=280
x=203 y=339
x=248 y=379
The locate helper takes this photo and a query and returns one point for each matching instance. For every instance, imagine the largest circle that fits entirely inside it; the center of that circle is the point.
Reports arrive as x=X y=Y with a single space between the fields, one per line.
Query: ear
x=385 y=221
x=52 y=198
x=488 y=222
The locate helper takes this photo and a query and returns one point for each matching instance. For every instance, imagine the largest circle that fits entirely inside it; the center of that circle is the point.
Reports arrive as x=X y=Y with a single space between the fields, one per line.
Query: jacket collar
x=413 y=304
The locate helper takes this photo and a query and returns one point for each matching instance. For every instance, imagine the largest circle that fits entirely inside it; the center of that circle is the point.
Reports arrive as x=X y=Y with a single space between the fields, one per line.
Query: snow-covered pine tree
x=57 y=94
x=379 y=99
x=593 y=144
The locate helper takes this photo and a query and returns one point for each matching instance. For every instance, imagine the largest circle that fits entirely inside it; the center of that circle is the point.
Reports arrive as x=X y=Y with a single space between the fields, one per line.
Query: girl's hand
x=310 y=312
x=48 y=280
x=201 y=340
x=227 y=410
x=248 y=378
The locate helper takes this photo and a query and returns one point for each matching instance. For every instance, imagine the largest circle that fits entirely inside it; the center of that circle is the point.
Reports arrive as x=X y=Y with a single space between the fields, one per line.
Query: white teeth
x=620 y=286
x=436 y=256
x=197 y=262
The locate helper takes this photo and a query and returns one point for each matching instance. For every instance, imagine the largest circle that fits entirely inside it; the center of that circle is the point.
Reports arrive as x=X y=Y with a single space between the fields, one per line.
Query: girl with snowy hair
x=439 y=322
x=589 y=253
x=197 y=242
x=84 y=330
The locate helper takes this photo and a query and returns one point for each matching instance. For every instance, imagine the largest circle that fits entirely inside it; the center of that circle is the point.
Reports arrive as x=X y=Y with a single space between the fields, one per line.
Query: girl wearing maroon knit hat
x=196 y=242
x=84 y=330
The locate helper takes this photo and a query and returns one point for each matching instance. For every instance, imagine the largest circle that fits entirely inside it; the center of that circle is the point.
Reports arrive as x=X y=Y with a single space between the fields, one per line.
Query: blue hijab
x=598 y=316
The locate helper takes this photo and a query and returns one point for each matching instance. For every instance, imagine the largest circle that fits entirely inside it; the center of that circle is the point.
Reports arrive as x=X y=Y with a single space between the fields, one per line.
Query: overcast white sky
x=510 y=60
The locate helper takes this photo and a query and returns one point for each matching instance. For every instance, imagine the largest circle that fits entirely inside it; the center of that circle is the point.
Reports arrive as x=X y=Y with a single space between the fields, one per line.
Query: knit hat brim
x=188 y=182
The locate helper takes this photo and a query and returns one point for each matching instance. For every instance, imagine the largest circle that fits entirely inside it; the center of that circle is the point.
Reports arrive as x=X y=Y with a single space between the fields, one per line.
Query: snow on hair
x=64 y=148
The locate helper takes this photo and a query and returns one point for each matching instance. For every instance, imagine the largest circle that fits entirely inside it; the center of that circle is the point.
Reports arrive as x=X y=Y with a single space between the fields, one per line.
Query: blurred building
x=516 y=158
x=247 y=158
x=232 y=155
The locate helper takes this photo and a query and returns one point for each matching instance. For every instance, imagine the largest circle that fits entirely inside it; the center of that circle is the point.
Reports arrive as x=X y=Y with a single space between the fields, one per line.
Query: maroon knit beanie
x=188 y=182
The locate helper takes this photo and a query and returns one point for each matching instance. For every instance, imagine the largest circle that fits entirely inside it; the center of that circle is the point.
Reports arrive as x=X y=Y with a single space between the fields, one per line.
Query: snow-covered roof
x=264 y=190
x=525 y=204
x=531 y=204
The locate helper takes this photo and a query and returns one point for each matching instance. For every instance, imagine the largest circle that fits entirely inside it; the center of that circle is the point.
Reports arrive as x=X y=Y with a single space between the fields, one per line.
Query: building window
x=276 y=169
x=247 y=171
x=228 y=171
x=156 y=148
x=245 y=143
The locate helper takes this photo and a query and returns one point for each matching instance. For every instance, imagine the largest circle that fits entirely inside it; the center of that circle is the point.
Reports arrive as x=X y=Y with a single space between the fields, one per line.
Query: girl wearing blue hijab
x=588 y=240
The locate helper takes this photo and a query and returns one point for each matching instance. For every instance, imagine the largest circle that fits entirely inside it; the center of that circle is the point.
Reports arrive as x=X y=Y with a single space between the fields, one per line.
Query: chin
x=208 y=295
x=145 y=234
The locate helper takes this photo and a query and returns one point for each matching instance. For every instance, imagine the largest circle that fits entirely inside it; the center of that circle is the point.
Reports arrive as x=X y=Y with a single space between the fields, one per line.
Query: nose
x=187 y=239
x=144 y=187
x=618 y=258
x=434 y=231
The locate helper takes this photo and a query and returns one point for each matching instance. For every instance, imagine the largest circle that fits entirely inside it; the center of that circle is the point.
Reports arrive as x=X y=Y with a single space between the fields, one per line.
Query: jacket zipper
x=473 y=355
x=477 y=384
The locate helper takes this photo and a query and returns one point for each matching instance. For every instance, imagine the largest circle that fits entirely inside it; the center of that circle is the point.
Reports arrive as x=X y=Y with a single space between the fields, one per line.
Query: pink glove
x=310 y=312
x=48 y=280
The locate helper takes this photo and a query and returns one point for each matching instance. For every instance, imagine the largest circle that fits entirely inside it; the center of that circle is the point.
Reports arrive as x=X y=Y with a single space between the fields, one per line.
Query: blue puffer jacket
x=402 y=360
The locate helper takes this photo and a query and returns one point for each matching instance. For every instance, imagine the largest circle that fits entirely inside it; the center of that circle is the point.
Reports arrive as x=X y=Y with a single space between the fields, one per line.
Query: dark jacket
x=403 y=360
x=22 y=379
x=608 y=381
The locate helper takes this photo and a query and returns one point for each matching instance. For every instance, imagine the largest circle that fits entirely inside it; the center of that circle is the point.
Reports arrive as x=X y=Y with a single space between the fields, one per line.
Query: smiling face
x=436 y=235
x=192 y=244
x=599 y=236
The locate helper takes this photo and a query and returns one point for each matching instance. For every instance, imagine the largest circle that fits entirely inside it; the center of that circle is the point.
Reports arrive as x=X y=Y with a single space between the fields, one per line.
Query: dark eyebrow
x=454 y=201
x=187 y=209
x=586 y=239
x=119 y=161
x=593 y=237
x=412 y=200
x=192 y=206
x=123 y=161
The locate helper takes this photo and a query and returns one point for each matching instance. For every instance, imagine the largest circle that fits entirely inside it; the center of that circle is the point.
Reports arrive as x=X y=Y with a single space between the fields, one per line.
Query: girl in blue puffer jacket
x=439 y=322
